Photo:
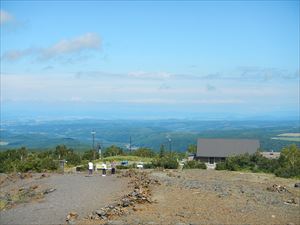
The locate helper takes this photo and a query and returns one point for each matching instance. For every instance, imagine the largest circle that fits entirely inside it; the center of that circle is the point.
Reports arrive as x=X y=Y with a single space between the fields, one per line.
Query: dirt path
x=74 y=192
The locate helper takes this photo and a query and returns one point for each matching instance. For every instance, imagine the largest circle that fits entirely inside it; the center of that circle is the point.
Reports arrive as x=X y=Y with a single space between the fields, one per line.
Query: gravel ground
x=74 y=192
x=218 y=197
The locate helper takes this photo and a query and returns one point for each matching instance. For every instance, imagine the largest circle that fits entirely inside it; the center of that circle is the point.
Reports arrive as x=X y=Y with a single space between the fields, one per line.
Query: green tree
x=169 y=161
x=144 y=152
x=192 y=148
x=89 y=155
x=162 y=151
x=61 y=151
x=289 y=162
x=113 y=151
x=23 y=153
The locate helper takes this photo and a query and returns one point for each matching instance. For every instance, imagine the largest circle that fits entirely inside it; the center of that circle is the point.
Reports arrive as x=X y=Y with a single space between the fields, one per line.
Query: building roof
x=225 y=147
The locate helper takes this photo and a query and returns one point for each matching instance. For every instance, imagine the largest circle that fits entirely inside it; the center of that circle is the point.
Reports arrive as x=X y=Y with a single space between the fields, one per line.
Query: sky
x=150 y=59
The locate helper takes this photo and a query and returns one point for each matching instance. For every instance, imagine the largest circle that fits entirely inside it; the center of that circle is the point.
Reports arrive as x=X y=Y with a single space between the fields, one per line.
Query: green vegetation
x=168 y=161
x=113 y=151
x=23 y=160
x=194 y=165
x=127 y=158
x=192 y=149
x=288 y=164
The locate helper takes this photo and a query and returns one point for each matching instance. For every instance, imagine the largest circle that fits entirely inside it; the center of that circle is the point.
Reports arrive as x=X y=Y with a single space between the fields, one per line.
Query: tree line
x=24 y=160
x=287 y=165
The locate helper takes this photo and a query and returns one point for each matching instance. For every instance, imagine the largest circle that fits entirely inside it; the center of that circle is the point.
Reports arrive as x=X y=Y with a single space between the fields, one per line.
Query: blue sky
x=181 y=59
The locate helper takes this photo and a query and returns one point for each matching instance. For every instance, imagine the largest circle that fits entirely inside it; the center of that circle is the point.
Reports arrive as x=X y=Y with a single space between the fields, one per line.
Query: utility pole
x=93 y=135
x=130 y=144
x=99 y=150
x=170 y=144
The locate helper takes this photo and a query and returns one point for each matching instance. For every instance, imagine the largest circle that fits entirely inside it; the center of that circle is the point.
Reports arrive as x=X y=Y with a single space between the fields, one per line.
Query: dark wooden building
x=212 y=151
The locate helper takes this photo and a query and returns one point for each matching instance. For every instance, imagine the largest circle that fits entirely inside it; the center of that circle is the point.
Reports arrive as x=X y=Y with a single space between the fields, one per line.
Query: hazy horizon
x=150 y=60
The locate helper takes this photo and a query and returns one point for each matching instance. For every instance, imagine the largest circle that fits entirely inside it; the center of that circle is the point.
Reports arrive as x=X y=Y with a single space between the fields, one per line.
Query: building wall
x=211 y=160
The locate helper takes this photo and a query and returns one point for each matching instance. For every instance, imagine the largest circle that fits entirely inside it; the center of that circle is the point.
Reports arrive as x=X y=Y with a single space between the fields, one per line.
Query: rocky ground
x=168 y=197
x=214 y=197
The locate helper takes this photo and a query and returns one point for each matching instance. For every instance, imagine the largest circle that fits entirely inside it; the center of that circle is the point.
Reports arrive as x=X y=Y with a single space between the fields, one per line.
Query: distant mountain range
x=174 y=134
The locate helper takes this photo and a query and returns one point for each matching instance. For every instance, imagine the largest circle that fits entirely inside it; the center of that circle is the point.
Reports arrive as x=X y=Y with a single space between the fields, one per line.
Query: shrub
x=81 y=168
x=49 y=164
x=149 y=166
x=73 y=158
x=194 y=164
x=121 y=167
x=221 y=166
x=167 y=162
x=89 y=155
x=113 y=151
x=131 y=166
x=289 y=162
x=144 y=152
x=287 y=172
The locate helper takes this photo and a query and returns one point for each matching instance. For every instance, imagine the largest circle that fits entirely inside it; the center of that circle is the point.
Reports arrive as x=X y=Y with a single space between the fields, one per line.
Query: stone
x=126 y=202
x=291 y=201
x=49 y=190
x=297 y=185
x=35 y=186
x=100 y=212
x=21 y=188
x=71 y=217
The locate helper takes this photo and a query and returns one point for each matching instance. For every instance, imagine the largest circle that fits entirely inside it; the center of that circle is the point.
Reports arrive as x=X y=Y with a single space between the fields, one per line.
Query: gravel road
x=74 y=192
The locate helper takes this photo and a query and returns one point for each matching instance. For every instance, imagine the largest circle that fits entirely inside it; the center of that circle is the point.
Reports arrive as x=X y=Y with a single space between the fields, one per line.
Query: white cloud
x=67 y=47
x=89 y=41
x=149 y=75
x=5 y=17
x=17 y=54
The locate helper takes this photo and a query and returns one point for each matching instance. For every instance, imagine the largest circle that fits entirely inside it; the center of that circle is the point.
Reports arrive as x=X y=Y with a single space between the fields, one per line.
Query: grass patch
x=126 y=158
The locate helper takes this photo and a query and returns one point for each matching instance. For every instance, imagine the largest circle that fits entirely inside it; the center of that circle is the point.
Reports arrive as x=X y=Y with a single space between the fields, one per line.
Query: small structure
x=212 y=151
x=191 y=157
x=271 y=155
x=61 y=167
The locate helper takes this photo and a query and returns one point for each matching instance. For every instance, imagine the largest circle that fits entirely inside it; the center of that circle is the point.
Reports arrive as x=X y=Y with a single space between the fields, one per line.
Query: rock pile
x=141 y=194
x=277 y=188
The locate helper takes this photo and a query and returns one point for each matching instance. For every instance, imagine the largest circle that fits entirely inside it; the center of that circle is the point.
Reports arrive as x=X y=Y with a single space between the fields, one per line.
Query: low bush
x=194 y=164
x=221 y=166
x=122 y=167
x=149 y=166
x=130 y=166
x=166 y=162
